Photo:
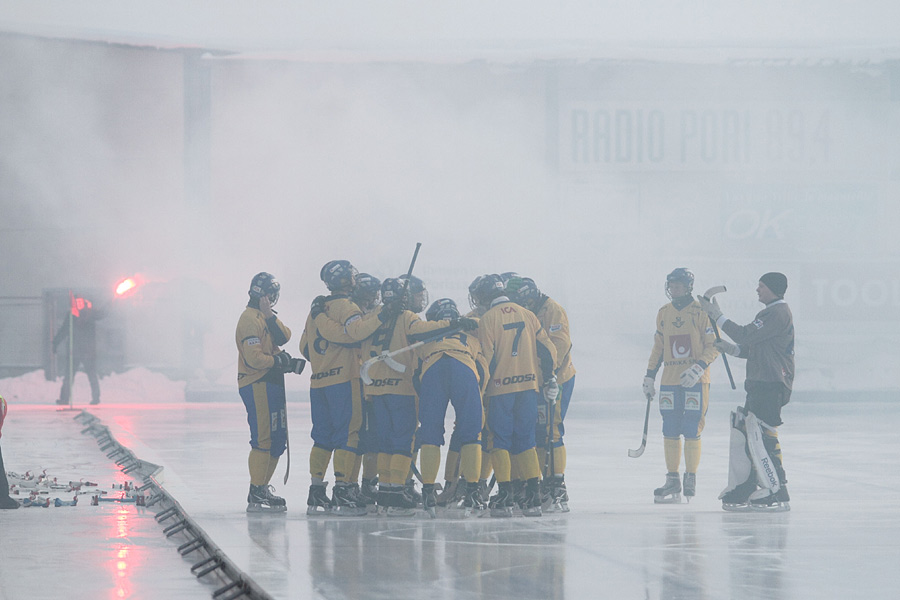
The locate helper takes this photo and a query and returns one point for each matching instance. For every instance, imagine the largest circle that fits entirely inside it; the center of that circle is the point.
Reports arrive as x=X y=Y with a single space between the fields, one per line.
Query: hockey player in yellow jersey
x=555 y=321
x=451 y=369
x=392 y=391
x=519 y=355
x=684 y=346
x=330 y=342
x=261 y=368
x=367 y=296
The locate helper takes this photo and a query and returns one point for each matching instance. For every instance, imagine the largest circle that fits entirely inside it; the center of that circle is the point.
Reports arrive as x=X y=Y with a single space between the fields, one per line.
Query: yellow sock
x=487 y=466
x=451 y=466
x=318 y=462
x=258 y=464
x=672 y=450
x=270 y=468
x=528 y=466
x=470 y=462
x=384 y=467
x=430 y=461
x=501 y=462
x=559 y=460
x=691 y=455
x=344 y=461
x=399 y=469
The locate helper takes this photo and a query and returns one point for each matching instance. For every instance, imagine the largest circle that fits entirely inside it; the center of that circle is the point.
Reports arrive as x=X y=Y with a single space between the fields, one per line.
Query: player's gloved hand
x=551 y=389
x=710 y=308
x=390 y=311
x=728 y=348
x=297 y=365
x=282 y=362
x=691 y=375
x=649 y=388
x=464 y=323
x=318 y=306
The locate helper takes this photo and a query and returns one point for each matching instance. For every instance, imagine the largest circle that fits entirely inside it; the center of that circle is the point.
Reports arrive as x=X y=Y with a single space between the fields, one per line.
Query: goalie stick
x=639 y=451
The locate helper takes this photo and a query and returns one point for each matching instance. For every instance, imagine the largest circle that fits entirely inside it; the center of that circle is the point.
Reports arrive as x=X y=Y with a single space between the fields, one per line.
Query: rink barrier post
x=169 y=512
x=236 y=583
x=188 y=547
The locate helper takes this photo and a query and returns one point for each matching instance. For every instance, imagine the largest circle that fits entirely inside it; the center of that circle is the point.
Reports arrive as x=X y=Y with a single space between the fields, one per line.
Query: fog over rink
x=594 y=164
x=589 y=145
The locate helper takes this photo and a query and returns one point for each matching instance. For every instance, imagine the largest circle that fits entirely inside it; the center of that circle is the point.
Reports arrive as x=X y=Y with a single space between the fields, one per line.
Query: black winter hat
x=776 y=282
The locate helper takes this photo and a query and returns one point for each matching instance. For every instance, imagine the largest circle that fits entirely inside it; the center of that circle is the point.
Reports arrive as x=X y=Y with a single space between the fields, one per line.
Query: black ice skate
x=318 y=503
x=690 y=485
x=368 y=493
x=345 y=501
x=501 y=503
x=767 y=501
x=396 y=500
x=670 y=493
x=261 y=499
x=738 y=499
x=555 y=498
x=473 y=502
x=531 y=503
x=429 y=500
x=448 y=493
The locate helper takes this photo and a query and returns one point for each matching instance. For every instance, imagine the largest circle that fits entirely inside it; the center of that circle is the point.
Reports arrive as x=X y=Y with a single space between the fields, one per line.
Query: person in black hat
x=768 y=345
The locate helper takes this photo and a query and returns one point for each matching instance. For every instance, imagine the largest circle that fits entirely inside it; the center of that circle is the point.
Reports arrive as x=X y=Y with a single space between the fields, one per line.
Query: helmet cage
x=265 y=284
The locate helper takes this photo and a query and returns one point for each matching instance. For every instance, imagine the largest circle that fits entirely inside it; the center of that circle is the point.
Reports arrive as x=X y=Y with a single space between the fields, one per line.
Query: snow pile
x=134 y=386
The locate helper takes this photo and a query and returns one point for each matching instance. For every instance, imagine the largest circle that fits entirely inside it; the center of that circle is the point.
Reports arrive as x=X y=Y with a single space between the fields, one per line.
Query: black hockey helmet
x=339 y=275
x=416 y=293
x=680 y=275
x=505 y=277
x=265 y=284
x=442 y=309
x=367 y=292
x=484 y=289
x=524 y=291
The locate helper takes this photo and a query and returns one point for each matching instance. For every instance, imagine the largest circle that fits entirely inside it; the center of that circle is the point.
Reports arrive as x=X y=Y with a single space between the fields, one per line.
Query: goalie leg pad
x=766 y=474
x=740 y=466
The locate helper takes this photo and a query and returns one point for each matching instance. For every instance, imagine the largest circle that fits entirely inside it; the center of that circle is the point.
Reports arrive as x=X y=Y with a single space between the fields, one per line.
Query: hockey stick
x=388 y=357
x=639 y=451
x=708 y=296
x=287 y=443
x=385 y=356
x=549 y=466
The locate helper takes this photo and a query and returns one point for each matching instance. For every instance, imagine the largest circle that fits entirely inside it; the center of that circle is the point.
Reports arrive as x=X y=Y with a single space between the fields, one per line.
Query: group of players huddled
x=381 y=379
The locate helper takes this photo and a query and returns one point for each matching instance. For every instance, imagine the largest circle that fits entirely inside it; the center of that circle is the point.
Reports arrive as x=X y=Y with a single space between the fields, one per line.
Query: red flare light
x=127 y=286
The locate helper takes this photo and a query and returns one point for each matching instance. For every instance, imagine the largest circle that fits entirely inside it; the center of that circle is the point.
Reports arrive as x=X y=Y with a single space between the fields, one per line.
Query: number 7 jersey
x=517 y=349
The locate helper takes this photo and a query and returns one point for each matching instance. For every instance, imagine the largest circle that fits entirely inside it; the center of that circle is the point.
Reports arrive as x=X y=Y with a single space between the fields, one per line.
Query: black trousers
x=4 y=482
x=765 y=399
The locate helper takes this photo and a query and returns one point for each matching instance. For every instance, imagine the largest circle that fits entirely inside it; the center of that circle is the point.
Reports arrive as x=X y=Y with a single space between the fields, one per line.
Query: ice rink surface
x=840 y=540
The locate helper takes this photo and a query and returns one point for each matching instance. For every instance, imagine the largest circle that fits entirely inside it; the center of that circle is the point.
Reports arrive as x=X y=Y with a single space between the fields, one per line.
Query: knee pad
x=763 y=462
